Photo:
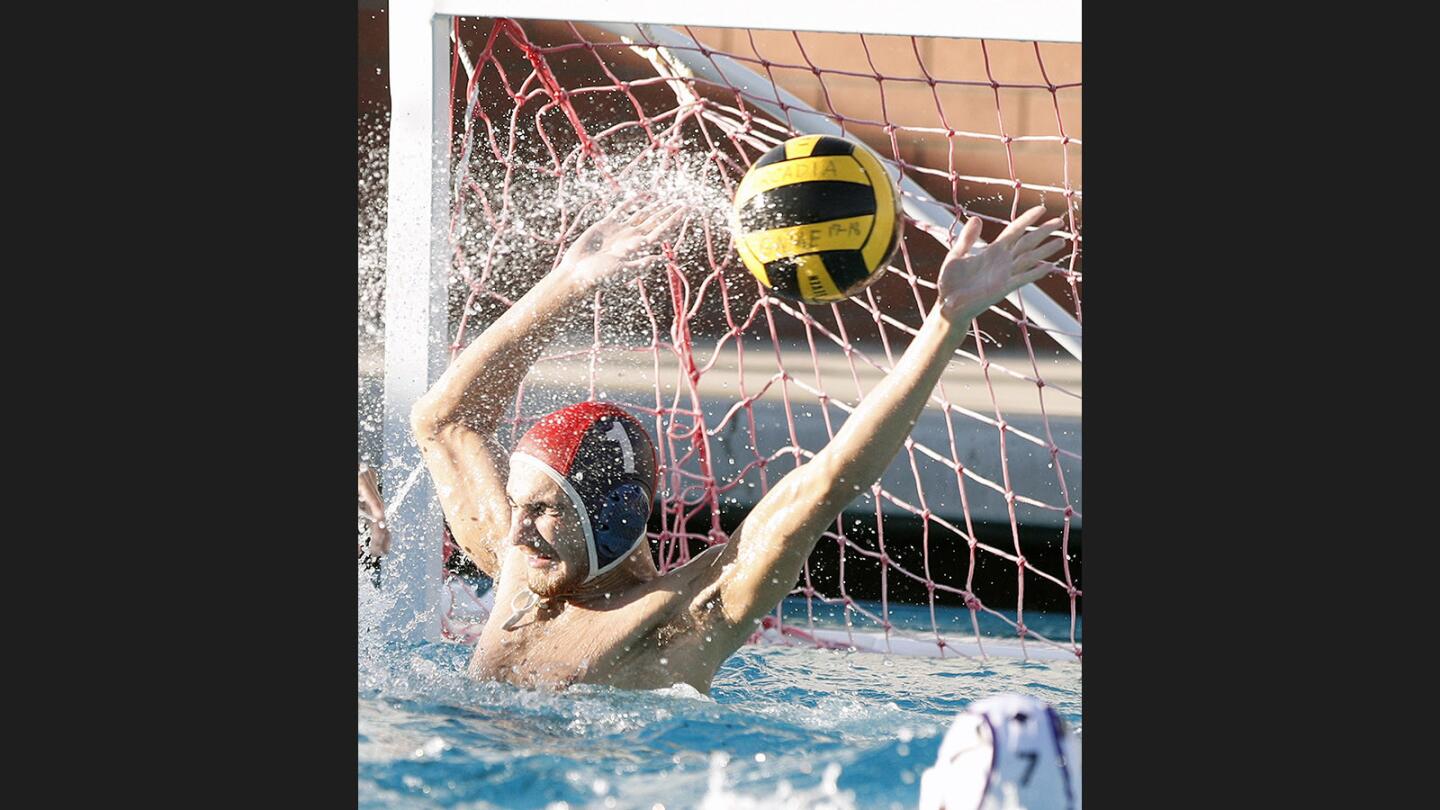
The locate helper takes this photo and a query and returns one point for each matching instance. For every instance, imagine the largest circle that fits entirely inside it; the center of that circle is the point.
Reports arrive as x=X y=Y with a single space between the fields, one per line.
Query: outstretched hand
x=970 y=284
x=615 y=249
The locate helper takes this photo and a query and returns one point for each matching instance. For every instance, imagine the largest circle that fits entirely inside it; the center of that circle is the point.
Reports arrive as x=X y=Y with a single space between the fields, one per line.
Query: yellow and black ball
x=817 y=219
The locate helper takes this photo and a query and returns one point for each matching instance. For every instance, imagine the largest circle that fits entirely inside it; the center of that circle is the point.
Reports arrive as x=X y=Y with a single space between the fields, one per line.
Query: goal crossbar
x=1028 y=20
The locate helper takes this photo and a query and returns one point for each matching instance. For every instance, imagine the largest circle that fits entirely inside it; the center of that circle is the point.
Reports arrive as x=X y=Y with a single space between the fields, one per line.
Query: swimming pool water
x=783 y=727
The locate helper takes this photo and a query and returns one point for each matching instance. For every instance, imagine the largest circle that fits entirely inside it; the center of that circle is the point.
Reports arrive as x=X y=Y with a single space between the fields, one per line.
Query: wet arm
x=454 y=423
x=763 y=559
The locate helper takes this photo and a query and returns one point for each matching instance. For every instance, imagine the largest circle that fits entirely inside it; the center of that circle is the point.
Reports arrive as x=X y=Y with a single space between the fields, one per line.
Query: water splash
x=788 y=727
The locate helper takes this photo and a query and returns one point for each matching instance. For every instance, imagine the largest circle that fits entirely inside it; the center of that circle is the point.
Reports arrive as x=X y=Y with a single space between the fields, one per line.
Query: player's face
x=545 y=534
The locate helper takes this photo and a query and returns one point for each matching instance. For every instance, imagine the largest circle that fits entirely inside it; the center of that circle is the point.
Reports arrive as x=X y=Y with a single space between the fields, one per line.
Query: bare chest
x=575 y=646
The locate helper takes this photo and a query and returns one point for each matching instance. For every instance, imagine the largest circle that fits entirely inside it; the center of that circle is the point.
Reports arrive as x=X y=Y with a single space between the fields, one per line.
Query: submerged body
x=489 y=743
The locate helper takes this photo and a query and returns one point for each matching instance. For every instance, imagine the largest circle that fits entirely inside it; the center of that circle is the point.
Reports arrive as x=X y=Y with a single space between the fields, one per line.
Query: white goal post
x=418 y=254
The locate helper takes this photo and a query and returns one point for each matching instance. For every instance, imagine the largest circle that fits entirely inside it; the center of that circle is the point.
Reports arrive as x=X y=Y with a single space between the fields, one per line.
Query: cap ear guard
x=620 y=526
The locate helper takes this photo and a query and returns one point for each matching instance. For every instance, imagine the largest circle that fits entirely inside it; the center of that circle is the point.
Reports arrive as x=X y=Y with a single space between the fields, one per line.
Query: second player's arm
x=747 y=576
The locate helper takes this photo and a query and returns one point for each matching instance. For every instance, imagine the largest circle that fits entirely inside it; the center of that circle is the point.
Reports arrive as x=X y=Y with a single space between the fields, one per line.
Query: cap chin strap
x=595 y=568
x=517 y=610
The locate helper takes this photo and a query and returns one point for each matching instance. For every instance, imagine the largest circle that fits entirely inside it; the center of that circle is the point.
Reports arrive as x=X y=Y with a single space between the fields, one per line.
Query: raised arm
x=759 y=565
x=455 y=421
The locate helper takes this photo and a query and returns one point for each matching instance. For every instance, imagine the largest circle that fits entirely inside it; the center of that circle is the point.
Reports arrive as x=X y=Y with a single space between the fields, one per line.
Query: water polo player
x=560 y=524
x=1005 y=751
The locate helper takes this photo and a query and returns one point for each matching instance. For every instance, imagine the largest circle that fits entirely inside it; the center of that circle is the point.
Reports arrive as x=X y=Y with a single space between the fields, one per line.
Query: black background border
x=1175 y=611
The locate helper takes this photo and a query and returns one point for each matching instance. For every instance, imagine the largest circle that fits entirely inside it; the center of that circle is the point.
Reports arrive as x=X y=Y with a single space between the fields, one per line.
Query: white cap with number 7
x=1007 y=751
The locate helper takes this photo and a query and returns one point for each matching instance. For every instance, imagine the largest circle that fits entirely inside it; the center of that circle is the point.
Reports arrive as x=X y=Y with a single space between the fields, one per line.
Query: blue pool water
x=783 y=727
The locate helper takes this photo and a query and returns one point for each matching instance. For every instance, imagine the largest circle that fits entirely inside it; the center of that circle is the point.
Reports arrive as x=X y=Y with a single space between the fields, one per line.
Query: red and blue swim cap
x=604 y=460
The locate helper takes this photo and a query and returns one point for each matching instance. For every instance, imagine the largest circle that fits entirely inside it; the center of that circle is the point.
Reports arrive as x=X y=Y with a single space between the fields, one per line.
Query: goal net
x=549 y=123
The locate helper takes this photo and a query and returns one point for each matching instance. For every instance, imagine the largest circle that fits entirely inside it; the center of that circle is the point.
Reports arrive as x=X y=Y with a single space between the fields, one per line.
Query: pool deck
x=1012 y=377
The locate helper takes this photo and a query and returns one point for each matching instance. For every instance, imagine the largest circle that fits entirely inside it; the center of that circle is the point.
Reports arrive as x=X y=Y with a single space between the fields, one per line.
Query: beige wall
x=1023 y=111
x=1015 y=110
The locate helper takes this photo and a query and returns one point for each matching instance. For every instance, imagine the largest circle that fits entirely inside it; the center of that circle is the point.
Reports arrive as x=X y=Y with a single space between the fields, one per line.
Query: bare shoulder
x=697 y=589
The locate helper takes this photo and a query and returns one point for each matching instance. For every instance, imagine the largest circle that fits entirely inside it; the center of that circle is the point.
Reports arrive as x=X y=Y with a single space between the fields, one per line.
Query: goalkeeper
x=559 y=520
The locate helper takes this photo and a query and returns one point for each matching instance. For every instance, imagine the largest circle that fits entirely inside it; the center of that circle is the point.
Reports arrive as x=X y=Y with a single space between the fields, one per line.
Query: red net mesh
x=556 y=121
